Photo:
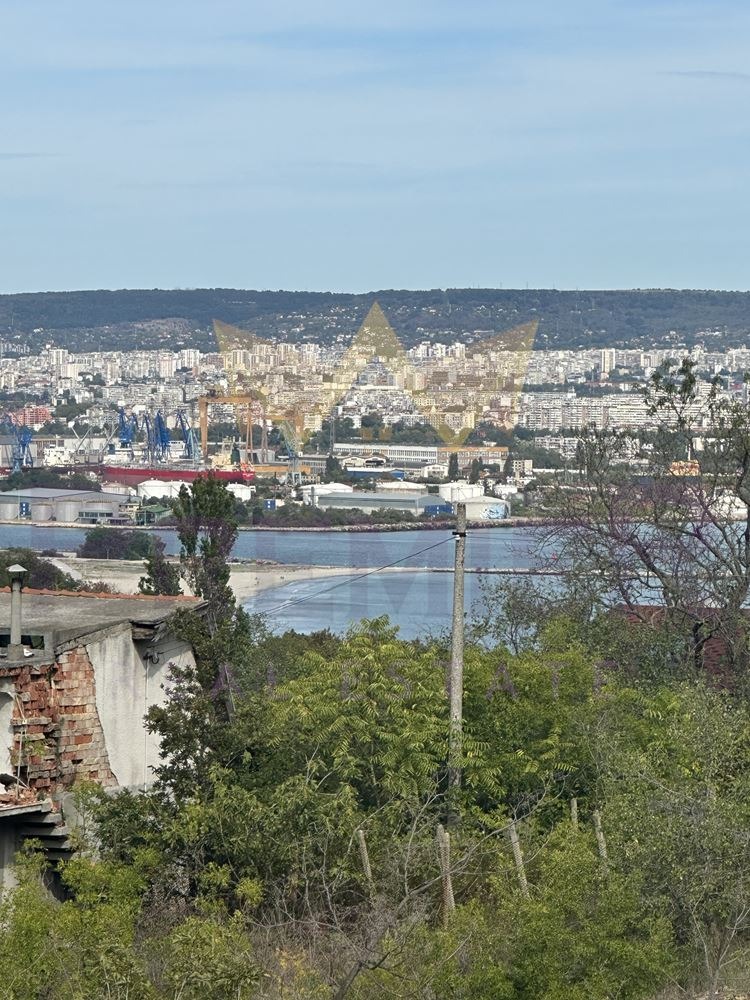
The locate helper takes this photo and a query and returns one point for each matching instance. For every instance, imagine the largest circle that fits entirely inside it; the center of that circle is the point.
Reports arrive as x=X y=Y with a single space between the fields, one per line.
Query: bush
x=116 y=543
x=41 y=575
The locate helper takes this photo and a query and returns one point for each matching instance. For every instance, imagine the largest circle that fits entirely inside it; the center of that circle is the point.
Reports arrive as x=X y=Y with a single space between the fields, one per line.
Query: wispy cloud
x=25 y=156
x=709 y=74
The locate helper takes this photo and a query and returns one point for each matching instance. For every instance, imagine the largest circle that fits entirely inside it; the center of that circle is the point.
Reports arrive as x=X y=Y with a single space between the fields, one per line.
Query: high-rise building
x=607 y=360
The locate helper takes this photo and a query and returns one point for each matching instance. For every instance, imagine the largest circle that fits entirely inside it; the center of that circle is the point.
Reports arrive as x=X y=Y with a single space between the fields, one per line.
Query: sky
x=352 y=147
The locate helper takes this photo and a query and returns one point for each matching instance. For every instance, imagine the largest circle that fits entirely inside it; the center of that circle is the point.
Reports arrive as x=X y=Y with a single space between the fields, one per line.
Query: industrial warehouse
x=40 y=504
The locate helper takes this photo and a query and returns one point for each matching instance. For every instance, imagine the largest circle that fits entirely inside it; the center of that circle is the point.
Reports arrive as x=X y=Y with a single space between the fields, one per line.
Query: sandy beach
x=245 y=579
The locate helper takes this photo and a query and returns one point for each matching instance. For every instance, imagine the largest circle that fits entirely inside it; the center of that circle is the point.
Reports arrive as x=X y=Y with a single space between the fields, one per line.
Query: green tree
x=82 y=949
x=333 y=472
x=41 y=574
x=677 y=810
x=116 y=543
x=453 y=470
x=207 y=529
x=475 y=471
x=162 y=577
x=50 y=479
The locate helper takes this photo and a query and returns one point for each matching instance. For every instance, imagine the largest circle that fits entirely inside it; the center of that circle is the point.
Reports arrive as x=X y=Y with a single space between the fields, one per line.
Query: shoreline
x=249 y=579
x=508 y=522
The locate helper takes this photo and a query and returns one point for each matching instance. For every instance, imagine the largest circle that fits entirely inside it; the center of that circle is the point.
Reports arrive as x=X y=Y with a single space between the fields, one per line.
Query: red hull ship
x=132 y=475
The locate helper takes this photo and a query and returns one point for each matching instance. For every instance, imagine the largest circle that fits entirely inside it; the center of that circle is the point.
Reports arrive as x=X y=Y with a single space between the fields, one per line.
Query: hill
x=151 y=319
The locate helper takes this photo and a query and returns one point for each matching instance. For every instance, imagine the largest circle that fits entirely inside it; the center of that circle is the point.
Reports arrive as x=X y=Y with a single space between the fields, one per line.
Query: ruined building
x=77 y=674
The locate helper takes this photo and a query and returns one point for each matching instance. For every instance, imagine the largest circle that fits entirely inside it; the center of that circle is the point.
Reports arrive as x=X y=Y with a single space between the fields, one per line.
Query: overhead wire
x=360 y=576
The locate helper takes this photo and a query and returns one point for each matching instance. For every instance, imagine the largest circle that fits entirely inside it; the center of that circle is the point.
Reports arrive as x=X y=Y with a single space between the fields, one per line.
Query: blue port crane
x=128 y=428
x=21 y=457
x=189 y=439
x=162 y=437
x=147 y=426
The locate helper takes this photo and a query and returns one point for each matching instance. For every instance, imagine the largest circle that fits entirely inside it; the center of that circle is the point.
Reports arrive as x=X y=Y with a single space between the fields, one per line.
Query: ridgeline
x=153 y=319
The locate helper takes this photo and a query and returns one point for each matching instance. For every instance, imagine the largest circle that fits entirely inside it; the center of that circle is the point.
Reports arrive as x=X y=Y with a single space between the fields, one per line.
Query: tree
x=333 y=471
x=453 y=470
x=50 y=479
x=162 y=577
x=667 y=537
x=304 y=821
x=207 y=529
x=116 y=543
x=41 y=573
x=475 y=471
x=678 y=812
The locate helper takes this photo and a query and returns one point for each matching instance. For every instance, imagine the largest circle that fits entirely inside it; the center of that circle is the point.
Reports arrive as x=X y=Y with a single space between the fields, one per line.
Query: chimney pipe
x=16 y=574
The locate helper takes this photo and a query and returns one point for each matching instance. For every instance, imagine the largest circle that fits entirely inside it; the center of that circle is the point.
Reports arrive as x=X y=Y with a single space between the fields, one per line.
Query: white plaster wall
x=170 y=651
x=8 y=849
x=7 y=691
x=126 y=687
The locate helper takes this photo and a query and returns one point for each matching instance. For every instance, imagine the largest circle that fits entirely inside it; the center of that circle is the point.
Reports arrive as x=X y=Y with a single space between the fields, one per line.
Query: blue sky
x=354 y=147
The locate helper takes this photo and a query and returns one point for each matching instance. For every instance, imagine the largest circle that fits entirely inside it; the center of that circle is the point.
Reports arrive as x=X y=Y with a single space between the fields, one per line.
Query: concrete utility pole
x=457 y=652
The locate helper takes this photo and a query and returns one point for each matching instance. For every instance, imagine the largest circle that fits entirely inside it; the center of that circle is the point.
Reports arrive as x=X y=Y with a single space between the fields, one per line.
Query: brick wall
x=57 y=728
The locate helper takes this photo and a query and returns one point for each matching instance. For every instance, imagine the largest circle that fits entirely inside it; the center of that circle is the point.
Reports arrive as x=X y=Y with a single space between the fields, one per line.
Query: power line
x=355 y=579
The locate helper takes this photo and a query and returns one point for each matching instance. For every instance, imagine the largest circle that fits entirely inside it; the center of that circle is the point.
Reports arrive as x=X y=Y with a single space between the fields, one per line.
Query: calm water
x=507 y=547
x=419 y=602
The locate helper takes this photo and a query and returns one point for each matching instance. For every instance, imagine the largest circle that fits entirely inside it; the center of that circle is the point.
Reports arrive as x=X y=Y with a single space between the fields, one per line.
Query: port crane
x=254 y=401
x=162 y=438
x=21 y=457
x=250 y=399
x=128 y=429
x=189 y=439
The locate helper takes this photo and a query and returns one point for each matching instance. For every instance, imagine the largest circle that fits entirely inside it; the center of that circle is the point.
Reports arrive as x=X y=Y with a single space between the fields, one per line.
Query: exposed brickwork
x=57 y=731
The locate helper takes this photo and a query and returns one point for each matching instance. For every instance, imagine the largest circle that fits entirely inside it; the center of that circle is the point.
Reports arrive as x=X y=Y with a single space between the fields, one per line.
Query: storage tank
x=8 y=510
x=41 y=512
x=67 y=510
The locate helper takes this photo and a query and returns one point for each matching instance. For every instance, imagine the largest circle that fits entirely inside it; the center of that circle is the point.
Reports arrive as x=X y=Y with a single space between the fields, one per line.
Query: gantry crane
x=254 y=399
x=21 y=456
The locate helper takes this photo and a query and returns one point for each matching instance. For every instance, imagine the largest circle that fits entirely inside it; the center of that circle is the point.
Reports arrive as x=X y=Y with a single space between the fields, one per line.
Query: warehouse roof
x=46 y=493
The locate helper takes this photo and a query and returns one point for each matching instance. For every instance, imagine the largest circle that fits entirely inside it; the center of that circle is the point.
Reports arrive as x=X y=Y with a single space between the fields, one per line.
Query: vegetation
x=288 y=846
x=373 y=429
x=678 y=537
x=41 y=574
x=142 y=319
x=302 y=839
x=162 y=577
x=116 y=543
x=207 y=529
x=306 y=516
x=49 y=479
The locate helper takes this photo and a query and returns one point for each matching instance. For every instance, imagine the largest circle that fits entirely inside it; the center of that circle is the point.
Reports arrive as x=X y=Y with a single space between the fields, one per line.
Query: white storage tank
x=41 y=512
x=8 y=510
x=67 y=510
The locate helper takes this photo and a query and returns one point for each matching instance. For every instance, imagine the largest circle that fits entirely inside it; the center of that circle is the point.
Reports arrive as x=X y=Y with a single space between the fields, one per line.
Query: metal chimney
x=16 y=574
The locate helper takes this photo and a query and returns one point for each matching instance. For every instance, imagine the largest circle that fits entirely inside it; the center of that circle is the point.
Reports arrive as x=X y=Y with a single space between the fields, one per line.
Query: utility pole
x=457 y=653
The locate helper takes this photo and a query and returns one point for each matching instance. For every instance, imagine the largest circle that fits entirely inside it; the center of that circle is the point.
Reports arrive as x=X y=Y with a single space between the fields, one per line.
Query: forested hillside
x=92 y=320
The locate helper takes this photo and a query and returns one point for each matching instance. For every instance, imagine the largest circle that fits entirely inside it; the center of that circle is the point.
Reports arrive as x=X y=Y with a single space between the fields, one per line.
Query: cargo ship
x=132 y=475
x=129 y=467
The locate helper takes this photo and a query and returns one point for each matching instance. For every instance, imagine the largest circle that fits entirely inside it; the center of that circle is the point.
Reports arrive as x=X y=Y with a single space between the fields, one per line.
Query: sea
x=404 y=586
